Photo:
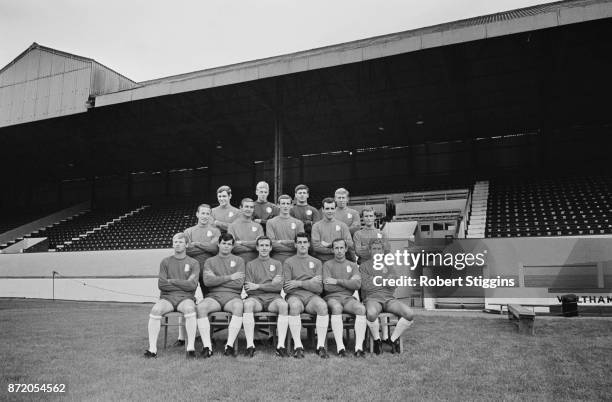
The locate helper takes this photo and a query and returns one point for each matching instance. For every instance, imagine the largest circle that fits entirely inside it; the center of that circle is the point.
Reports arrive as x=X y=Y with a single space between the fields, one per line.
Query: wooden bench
x=389 y=321
x=266 y=322
x=523 y=317
x=165 y=322
x=220 y=321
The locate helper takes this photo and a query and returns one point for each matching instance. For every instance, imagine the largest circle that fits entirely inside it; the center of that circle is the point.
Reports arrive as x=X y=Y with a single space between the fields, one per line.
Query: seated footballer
x=178 y=281
x=379 y=299
x=223 y=277
x=340 y=280
x=263 y=284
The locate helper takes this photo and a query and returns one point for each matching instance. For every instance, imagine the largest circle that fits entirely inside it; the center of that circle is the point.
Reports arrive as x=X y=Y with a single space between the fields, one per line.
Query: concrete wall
x=126 y=275
x=544 y=268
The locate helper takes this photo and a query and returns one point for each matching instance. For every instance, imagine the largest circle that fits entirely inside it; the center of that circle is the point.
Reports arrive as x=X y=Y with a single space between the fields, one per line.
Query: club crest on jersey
x=308 y=212
x=187 y=268
x=293 y=225
x=337 y=228
x=232 y=263
x=230 y=214
x=349 y=269
x=272 y=268
x=311 y=264
x=269 y=210
x=209 y=233
x=350 y=216
x=254 y=228
x=379 y=235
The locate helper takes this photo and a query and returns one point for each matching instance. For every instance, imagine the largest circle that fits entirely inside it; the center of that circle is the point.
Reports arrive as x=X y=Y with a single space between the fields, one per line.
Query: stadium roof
x=533 y=70
x=483 y=27
x=35 y=46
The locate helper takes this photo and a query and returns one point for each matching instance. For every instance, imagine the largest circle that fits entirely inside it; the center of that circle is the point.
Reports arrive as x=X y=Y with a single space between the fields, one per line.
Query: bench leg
x=165 y=332
x=526 y=326
x=310 y=333
x=368 y=340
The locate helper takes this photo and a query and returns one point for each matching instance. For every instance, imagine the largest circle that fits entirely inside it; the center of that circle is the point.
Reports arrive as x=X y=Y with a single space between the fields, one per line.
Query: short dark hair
x=179 y=235
x=328 y=200
x=337 y=240
x=368 y=209
x=226 y=237
x=302 y=235
x=247 y=199
x=301 y=187
x=226 y=189
x=203 y=206
x=262 y=238
x=285 y=197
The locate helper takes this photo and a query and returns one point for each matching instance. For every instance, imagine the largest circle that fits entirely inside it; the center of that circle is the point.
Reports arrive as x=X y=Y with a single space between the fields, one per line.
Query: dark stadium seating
x=70 y=229
x=516 y=208
x=550 y=207
x=152 y=227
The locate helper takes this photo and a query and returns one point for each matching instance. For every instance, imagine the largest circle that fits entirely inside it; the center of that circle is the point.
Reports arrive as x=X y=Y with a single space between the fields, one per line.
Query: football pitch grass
x=96 y=350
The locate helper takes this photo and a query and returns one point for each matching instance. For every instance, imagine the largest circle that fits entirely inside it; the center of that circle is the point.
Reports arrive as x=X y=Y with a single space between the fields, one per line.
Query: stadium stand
x=71 y=230
x=510 y=208
x=550 y=207
x=151 y=227
x=431 y=205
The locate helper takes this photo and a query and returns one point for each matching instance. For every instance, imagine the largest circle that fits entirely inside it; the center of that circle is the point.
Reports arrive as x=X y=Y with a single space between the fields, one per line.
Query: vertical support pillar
x=278 y=156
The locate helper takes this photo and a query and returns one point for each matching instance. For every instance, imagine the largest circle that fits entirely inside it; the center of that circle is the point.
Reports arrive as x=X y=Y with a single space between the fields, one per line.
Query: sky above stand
x=148 y=39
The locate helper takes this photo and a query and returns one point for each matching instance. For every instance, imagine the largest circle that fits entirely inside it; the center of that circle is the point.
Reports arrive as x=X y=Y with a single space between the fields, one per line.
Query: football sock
x=281 y=329
x=360 y=329
x=374 y=329
x=322 y=324
x=190 y=327
x=402 y=325
x=248 y=322
x=295 y=326
x=337 y=328
x=181 y=335
x=204 y=328
x=233 y=329
x=154 y=326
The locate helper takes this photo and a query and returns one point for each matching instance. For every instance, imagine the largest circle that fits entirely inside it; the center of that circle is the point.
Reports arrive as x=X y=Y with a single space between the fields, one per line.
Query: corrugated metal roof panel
x=105 y=80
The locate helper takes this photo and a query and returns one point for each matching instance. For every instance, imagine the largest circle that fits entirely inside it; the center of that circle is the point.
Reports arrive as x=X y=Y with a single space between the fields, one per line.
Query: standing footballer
x=282 y=229
x=327 y=230
x=245 y=232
